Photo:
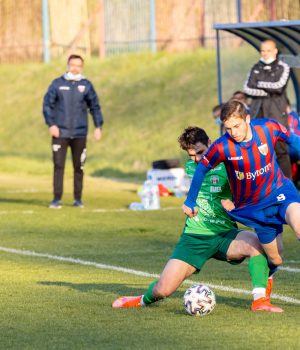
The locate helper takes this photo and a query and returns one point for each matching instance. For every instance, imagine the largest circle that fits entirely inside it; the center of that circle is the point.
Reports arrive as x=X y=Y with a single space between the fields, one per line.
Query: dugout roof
x=286 y=34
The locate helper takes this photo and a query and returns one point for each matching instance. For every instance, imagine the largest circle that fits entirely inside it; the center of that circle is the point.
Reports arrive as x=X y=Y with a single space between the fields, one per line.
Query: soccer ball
x=199 y=300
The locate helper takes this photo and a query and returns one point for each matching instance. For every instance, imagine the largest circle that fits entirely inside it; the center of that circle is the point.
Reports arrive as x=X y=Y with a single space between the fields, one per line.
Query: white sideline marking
x=4 y=212
x=289 y=269
x=103 y=210
x=99 y=210
x=25 y=190
x=292 y=261
x=134 y=272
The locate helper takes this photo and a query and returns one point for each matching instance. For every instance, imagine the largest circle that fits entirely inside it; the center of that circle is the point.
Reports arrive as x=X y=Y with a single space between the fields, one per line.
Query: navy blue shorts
x=268 y=216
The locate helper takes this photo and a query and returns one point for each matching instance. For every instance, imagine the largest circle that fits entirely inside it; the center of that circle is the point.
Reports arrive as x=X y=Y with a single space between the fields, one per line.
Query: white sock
x=258 y=293
x=142 y=301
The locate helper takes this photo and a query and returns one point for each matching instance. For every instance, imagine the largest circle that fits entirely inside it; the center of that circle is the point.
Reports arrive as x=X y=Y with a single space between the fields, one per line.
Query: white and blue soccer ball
x=199 y=300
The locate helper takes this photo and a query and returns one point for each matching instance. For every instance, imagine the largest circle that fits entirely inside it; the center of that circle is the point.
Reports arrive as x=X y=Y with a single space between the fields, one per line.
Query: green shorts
x=197 y=249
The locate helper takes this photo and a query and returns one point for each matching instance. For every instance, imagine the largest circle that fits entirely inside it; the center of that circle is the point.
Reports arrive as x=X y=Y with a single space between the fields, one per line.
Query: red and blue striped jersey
x=251 y=166
x=293 y=122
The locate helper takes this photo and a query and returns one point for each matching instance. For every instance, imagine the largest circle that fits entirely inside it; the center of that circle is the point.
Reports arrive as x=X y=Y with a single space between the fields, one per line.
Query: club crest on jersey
x=81 y=88
x=240 y=175
x=263 y=149
x=214 y=179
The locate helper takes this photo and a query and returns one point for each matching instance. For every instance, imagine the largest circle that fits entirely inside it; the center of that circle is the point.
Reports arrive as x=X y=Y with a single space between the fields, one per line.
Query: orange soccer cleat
x=269 y=288
x=263 y=304
x=127 y=302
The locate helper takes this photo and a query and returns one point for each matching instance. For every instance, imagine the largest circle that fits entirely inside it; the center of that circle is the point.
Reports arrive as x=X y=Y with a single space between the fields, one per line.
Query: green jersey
x=211 y=219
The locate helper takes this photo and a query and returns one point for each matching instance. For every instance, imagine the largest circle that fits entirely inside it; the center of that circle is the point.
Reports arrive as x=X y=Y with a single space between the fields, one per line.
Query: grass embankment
x=147 y=100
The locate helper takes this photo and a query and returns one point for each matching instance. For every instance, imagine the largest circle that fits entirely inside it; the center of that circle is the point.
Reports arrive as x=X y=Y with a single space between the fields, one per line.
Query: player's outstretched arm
x=189 y=211
x=190 y=206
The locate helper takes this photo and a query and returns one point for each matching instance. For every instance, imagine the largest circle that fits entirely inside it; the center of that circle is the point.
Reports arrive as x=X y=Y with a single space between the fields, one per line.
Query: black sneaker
x=55 y=204
x=78 y=203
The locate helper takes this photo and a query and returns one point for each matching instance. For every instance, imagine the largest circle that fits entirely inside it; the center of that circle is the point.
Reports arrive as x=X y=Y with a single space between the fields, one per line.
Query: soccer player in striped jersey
x=211 y=234
x=264 y=199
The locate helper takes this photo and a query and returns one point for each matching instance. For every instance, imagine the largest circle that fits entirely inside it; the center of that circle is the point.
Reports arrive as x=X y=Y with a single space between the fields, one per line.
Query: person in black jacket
x=266 y=85
x=65 y=110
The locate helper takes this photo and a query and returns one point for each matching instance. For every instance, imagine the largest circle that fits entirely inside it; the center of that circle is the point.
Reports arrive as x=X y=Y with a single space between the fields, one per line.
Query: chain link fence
x=111 y=27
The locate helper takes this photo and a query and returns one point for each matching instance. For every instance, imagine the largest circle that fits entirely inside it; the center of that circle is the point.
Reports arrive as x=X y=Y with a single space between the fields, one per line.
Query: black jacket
x=266 y=84
x=66 y=104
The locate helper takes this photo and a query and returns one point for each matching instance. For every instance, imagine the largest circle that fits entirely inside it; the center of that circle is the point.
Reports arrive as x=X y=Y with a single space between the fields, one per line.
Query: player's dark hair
x=191 y=136
x=269 y=40
x=238 y=94
x=75 y=57
x=217 y=107
x=233 y=108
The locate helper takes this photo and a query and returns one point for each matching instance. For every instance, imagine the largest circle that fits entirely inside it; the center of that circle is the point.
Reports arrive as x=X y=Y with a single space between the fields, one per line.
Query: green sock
x=259 y=271
x=148 y=297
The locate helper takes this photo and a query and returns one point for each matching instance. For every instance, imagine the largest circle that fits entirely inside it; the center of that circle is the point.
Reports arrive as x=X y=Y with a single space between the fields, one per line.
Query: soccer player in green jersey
x=210 y=234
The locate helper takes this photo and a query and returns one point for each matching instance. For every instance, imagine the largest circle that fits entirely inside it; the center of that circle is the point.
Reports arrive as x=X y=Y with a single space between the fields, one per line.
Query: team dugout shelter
x=286 y=34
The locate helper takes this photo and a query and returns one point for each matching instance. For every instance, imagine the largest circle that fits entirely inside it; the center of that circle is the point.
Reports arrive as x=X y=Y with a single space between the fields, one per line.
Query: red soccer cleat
x=127 y=302
x=263 y=304
x=269 y=288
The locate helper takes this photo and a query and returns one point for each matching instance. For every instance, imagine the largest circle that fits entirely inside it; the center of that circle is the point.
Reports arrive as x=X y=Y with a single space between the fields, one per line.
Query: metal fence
x=129 y=26
x=36 y=30
x=20 y=30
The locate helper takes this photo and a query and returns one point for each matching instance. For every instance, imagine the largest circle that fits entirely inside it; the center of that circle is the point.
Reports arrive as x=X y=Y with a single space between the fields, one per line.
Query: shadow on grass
x=117 y=288
x=113 y=173
x=240 y=303
x=123 y=289
x=235 y=302
x=29 y=201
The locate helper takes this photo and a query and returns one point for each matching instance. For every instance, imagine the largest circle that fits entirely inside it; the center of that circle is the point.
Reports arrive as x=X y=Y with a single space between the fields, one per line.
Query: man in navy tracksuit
x=65 y=110
x=266 y=85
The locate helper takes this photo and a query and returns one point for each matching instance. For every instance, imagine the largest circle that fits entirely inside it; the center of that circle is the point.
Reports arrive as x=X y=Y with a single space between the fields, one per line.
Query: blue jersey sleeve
x=294 y=142
x=196 y=185
x=281 y=133
x=211 y=159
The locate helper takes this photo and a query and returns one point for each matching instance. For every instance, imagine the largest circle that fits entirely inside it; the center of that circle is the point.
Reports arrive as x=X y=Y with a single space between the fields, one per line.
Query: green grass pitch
x=50 y=304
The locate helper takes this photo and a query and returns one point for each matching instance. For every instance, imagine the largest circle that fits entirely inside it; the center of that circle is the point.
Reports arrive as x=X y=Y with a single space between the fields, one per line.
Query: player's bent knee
x=276 y=260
